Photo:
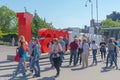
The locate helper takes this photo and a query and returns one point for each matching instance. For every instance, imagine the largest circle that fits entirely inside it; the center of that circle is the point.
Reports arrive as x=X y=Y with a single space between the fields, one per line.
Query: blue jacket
x=21 y=52
x=37 y=51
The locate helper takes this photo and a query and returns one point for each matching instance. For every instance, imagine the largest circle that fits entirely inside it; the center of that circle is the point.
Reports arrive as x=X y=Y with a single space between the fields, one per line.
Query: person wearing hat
x=56 y=49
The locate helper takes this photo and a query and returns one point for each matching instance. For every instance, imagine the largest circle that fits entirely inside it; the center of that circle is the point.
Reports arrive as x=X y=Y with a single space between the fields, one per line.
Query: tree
x=108 y=23
x=8 y=20
x=38 y=23
x=0 y=33
x=114 y=16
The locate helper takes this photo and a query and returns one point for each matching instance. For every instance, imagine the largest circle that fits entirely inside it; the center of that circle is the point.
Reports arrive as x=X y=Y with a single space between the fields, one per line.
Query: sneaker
x=57 y=75
x=116 y=67
x=38 y=75
x=69 y=64
x=31 y=71
x=35 y=75
x=13 y=75
x=23 y=77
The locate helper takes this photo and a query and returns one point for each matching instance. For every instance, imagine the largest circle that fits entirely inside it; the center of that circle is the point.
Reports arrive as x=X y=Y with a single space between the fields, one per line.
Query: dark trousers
x=73 y=55
x=94 y=52
x=66 y=46
x=111 y=57
x=61 y=57
x=57 y=64
x=103 y=53
x=79 y=55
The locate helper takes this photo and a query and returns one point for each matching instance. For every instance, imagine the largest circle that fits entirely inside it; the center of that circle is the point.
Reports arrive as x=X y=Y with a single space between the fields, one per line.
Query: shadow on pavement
x=76 y=69
x=104 y=69
x=46 y=69
x=47 y=78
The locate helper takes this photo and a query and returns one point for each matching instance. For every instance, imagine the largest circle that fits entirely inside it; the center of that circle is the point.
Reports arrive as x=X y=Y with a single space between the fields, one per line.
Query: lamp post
x=97 y=10
x=97 y=27
x=91 y=7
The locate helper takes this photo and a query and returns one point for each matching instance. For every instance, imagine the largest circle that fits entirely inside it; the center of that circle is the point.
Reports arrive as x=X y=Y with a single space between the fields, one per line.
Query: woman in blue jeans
x=20 y=67
x=94 y=51
x=36 y=57
x=111 y=54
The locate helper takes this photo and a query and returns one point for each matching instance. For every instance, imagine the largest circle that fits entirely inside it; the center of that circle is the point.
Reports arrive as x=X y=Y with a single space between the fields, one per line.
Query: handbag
x=16 y=58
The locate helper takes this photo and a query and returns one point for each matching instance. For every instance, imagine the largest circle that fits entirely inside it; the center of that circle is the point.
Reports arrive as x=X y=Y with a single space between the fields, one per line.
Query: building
x=96 y=24
x=112 y=32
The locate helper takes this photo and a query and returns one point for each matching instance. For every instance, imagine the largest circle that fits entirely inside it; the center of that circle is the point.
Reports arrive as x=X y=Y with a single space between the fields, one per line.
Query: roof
x=113 y=28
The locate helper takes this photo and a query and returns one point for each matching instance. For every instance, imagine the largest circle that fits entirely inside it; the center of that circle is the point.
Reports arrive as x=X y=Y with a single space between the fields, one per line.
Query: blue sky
x=64 y=13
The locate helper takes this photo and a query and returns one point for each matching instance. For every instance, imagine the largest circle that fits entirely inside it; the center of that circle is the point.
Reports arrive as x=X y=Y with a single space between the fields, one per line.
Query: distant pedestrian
x=50 y=55
x=31 y=45
x=65 y=39
x=80 y=51
x=56 y=49
x=62 y=43
x=94 y=48
x=13 y=41
x=73 y=51
x=103 y=49
x=85 y=53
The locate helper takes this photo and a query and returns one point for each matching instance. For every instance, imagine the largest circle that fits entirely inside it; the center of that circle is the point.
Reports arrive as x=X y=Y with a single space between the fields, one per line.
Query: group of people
x=24 y=51
x=31 y=52
x=80 y=50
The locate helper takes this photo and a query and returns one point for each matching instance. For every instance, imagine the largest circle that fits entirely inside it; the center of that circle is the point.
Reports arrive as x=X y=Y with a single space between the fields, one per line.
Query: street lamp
x=97 y=10
x=97 y=16
x=91 y=8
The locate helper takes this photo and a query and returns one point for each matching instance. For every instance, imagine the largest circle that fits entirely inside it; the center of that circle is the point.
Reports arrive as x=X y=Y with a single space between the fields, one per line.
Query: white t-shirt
x=94 y=46
x=85 y=48
x=56 y=48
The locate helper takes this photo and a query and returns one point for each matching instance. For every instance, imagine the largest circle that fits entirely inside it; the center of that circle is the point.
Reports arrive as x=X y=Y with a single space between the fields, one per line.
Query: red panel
x=48 y=35
x=24 y=25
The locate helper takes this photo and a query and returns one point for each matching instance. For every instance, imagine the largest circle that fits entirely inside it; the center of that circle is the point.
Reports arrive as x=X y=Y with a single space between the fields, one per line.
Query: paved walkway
x=67 y=72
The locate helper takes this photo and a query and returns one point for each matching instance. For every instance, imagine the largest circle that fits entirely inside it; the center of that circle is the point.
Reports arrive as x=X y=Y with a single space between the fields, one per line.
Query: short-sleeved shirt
x=73 y=45
x=111 y=46
x=80 y=45
x=62 y=43
x=56 y=48
x=102 y=44
x=65 y=40
x=94 y=46
x=85 y=48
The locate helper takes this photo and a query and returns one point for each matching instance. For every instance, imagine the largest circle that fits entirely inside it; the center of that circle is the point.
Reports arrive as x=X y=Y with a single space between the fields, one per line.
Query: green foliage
x=8 y=37
x=9 y=24
x=5 y=43
x=38 y=23
x=8 y=21
x=0 y=33
x=108 y=23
